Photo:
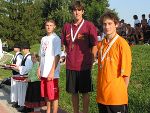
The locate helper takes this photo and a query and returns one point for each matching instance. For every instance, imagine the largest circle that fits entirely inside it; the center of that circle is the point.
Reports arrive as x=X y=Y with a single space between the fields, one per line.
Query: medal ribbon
x=73 y=37
x=110 y=45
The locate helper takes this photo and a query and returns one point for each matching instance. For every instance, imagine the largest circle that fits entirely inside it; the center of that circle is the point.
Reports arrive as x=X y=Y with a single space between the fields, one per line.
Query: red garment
x=79 y=56
x=49 y=89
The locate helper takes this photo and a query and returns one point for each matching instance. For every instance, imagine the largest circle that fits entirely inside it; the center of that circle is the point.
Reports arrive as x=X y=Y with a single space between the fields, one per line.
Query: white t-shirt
x=50 y=47
x=136 y=22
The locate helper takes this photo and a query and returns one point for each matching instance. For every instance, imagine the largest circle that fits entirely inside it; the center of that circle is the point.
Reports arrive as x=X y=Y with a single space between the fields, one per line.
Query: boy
x=80 y=40
x=114 y=68
x=50 y=51
x=25 y=67
x=14 y=84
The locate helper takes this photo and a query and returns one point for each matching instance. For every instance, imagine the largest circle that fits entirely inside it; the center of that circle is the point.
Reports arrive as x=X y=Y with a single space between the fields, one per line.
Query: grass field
x=139 y=87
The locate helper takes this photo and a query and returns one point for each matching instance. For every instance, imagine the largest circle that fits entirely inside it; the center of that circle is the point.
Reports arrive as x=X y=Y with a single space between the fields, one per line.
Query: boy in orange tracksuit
x=114 y=68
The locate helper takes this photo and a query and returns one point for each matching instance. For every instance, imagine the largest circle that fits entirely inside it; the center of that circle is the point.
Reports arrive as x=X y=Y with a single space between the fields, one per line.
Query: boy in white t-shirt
x=49 y=69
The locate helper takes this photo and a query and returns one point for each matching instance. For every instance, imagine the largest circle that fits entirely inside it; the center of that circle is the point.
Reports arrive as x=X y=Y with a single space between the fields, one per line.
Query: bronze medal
x=72 y=46
x=101 y=66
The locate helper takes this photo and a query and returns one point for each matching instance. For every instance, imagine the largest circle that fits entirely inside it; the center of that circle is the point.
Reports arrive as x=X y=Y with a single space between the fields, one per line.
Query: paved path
x=5 y=105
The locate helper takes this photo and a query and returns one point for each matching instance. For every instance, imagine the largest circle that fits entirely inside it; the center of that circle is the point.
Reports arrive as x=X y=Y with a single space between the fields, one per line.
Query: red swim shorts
x=50 y=89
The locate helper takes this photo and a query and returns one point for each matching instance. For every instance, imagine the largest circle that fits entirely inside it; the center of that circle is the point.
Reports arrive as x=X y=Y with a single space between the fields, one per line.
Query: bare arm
x=94 y=52
x=55 y=63
x=38 y=73
x=126 y=79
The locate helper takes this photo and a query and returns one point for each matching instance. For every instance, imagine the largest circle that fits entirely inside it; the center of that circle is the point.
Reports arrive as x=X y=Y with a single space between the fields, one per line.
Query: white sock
x=37 y=109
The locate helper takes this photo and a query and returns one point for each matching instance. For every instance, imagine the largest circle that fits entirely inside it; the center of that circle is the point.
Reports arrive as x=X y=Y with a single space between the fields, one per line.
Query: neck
x=48 y=34
x=26 y=52
x=78 y=21
x=109 y=37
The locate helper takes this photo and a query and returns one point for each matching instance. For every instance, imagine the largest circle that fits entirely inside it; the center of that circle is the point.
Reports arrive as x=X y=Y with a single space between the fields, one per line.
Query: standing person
x=25 y=67
x=143 y=22
x=79 y=39
x=136 y=20
x=14 y=84
x=49 y=70
x=33 y=95
x=114 y=68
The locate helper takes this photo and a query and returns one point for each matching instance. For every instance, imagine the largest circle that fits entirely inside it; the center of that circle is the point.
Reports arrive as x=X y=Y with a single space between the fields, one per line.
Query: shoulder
x=67 y=25
x=122 y=42
x=89 y=23
x=20 y=55
x=43 y=38
x=56 y=37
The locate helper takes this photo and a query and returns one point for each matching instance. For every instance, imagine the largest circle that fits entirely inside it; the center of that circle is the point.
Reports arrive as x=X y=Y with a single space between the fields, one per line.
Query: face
x=78 y=14
x=16 y=49
x=34 y=59
x=109 y=27
x=49 y=27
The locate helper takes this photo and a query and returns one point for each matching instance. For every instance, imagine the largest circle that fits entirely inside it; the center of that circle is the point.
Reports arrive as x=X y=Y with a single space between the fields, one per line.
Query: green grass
x=139 y=91
x=4 y=73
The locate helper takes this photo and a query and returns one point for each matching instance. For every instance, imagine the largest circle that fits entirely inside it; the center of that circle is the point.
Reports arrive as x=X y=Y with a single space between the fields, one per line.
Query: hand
x=13 y=65
x=50 y=77
x=27 y=80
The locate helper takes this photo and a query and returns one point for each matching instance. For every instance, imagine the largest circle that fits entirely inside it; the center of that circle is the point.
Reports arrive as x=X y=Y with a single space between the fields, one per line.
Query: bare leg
x=55 y=106
x=48 y=106
x=75 y=102
x=86 y=101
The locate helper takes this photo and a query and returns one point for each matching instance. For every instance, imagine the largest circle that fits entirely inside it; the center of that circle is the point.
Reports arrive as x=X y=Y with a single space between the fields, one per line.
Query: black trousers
x=112 y=108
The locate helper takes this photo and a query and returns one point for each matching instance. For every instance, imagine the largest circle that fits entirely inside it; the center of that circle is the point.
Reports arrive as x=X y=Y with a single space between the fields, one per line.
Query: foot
x=15 y=105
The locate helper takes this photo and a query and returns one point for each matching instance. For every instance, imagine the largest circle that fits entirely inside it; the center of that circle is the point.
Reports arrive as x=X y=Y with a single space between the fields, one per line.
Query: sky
x=127 y=8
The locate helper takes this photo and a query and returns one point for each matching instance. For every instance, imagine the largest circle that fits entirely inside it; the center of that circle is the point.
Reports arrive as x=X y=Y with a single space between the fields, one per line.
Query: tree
x=59 y=10
x=20 y=21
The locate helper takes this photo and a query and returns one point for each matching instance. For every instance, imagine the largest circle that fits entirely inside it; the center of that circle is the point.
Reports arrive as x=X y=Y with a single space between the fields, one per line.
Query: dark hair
x=49 y=20
x=109 y=15
x=135 y=17
x=143 y=15
x=122 y=20
x=77 y=5
x=137 y=25
x=129 y=25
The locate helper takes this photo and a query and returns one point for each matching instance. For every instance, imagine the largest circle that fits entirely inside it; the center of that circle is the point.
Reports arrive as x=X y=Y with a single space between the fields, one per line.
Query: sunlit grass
x=139 y=87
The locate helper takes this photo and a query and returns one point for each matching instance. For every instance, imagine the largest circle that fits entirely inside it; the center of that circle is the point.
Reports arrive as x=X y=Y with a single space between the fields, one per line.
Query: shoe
x=25 y=109
x=22 y=109
x=15 y=105
x=29 y=109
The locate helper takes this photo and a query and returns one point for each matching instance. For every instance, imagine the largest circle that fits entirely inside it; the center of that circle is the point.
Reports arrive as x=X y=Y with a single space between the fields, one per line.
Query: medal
x=72 y=46
x=100 y=66
x=73 y=37
x=107 y=50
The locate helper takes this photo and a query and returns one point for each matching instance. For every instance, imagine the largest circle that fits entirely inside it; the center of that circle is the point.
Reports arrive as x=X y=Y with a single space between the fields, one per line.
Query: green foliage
x=22 y=20
x=94 y=9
